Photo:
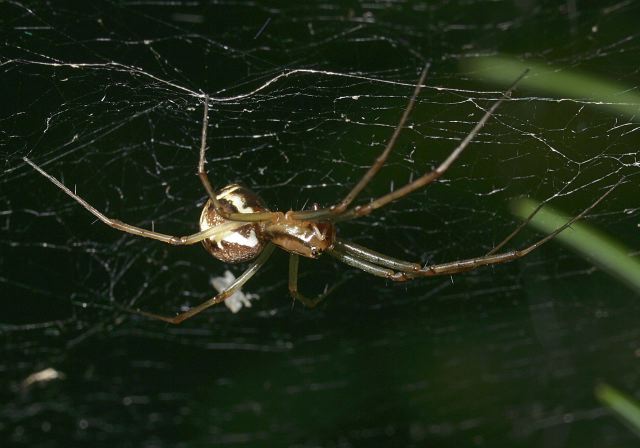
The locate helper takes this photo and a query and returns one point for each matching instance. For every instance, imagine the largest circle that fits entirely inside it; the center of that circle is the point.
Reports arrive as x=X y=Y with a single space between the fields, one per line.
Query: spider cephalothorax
x=302 y=237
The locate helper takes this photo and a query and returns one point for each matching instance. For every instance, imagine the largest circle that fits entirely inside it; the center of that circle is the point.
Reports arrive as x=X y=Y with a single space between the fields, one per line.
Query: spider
x=236 y=225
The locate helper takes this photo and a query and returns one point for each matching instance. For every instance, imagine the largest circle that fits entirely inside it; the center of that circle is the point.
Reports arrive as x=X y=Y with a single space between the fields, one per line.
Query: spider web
x=107 y=97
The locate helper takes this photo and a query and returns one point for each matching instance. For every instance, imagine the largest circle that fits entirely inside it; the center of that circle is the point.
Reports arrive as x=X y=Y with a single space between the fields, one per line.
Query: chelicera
x=237 y=226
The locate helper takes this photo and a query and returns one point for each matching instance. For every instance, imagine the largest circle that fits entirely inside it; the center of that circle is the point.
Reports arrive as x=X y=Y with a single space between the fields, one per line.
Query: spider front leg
x=221 y=297
x=341 y=207
x=397 y=270
x=435 y=174
x=359 y=262
x=340 y=213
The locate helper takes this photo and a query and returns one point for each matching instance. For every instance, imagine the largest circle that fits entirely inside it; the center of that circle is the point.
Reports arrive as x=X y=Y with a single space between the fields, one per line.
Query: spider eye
x=315 y=252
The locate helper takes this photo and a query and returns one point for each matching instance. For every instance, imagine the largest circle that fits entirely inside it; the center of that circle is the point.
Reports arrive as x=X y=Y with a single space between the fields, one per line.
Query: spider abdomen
x=244 y=243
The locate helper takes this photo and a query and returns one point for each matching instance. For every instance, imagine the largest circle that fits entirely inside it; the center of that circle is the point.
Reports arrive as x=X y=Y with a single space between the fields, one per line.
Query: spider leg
x=456 y=267
x=376 y=258
x=341 y=206
x=202 y=173
x=206 y=183
x=398 y=270
x=517 y=230
x=433 y=175
x=221 y=297
x=368 y=267
x=294 y=260
x=128 y=228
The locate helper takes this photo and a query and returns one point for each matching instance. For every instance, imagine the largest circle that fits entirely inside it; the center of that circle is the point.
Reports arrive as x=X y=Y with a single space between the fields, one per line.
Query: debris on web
x=238 y=299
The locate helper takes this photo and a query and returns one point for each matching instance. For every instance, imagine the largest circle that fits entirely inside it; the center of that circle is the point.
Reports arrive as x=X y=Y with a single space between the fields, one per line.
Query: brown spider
x=236 y=225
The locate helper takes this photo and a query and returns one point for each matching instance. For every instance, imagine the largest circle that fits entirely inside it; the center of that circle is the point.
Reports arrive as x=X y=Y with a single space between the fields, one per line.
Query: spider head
x=321 y=238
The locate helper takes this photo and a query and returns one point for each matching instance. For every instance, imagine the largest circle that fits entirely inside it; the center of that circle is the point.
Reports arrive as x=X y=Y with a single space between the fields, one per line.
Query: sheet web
x=108 y=100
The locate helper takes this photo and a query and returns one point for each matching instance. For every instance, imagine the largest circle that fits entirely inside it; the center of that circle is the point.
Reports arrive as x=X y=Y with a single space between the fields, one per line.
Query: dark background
x=105 y=96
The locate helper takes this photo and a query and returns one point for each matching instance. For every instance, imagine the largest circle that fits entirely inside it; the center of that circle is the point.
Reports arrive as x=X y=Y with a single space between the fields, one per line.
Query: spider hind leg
x=309 y=302
x=221 y=297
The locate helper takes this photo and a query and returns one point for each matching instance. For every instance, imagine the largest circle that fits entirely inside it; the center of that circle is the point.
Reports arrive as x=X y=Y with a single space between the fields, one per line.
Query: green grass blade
x=561 y=83
x=623 y=406
x=603 y=251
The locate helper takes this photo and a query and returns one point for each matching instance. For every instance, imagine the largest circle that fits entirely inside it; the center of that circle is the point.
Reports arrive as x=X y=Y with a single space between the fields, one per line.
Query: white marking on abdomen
x=237 y=200
x=226 y=192
x=238 y=238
